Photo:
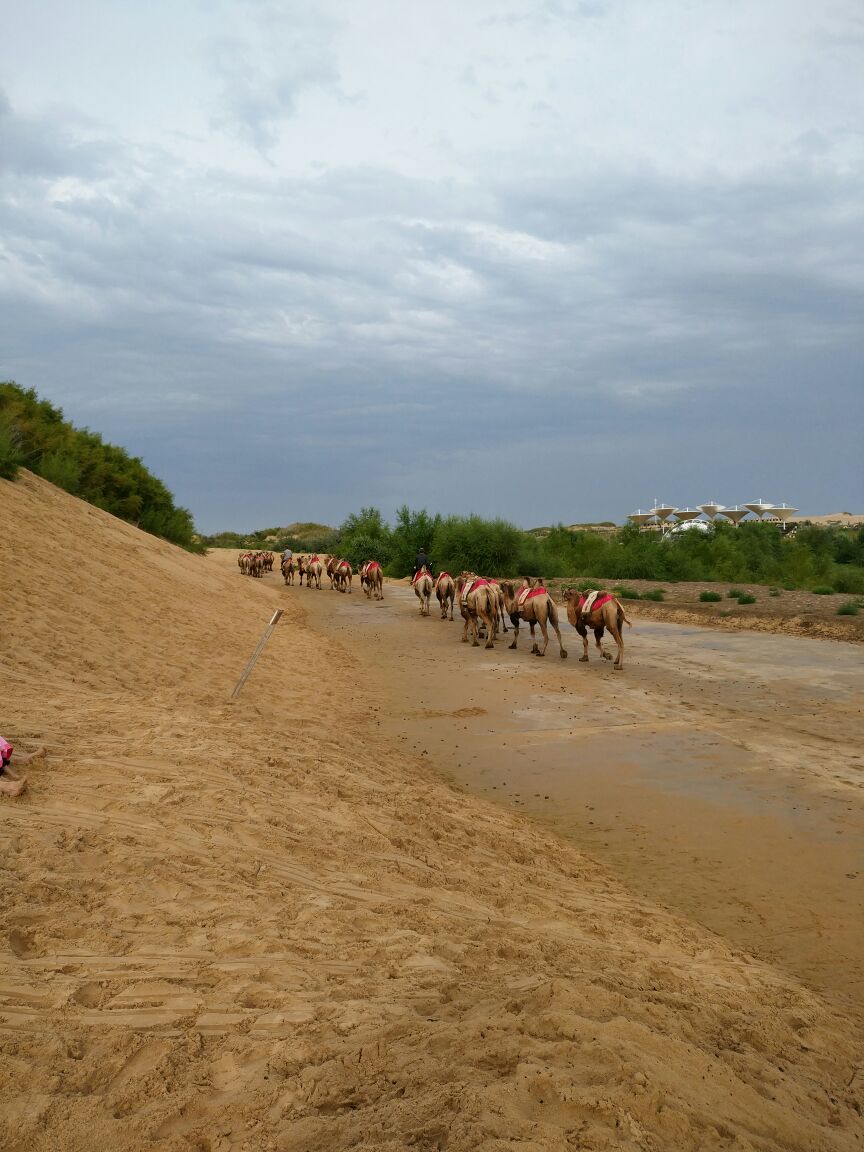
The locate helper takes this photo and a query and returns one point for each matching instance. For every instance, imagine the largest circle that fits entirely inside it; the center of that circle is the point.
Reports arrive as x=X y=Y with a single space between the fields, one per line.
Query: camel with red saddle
x=372 y=580
x=445 y=591
x=422 y=584
x=597 y=610
x=535 y=606
x=342 y=575
x=478 y=602
x=314 y=571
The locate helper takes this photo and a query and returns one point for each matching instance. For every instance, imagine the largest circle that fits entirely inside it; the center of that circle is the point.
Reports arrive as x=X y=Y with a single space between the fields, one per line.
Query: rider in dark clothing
x=422 y=561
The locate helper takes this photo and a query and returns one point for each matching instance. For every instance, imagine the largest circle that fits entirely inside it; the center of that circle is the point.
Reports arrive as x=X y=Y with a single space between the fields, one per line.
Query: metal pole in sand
x=268 y=632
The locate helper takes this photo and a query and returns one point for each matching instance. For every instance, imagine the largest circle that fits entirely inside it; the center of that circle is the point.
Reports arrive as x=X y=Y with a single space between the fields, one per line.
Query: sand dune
x=261 y=925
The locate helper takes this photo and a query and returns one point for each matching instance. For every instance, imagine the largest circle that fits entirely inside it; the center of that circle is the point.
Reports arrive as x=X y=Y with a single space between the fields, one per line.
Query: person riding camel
x=422 y=561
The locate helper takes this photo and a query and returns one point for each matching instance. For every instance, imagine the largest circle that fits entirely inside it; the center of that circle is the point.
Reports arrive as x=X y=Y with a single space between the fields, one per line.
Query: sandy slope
x=263 y=926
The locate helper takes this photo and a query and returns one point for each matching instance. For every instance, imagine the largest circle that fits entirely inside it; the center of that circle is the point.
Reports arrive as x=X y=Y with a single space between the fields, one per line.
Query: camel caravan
x=485 y=604
x=255 y=563
x=312 y=568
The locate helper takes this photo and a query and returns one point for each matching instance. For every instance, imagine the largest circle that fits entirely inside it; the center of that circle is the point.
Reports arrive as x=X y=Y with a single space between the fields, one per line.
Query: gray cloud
x=270 y=58
x=32 y=145
x=533 y=336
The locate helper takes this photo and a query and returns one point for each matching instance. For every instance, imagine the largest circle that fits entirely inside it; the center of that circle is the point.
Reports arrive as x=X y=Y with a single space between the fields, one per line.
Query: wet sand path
x=720 y=774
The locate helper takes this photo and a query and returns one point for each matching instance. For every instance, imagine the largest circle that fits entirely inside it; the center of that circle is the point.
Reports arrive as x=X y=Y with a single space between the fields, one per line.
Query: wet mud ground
x=720 y=774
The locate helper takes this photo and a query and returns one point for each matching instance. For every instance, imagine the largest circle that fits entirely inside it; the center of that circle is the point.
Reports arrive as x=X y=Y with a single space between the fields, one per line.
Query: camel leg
x=515 y=622
x=491 y=631
x=560 y=642
x=598 y=638
x=615 y=633
x=583 y=632
x=534 y=649
x=545 y=632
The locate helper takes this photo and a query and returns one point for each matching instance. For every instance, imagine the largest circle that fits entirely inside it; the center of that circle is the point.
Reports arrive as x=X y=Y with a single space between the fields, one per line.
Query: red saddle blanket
x=479 y=582
x=422 y=572
x=599 y=601
x=528 y=594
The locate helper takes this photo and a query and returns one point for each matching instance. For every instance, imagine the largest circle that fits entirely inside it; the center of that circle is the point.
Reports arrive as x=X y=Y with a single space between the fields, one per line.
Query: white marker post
x=268 y=632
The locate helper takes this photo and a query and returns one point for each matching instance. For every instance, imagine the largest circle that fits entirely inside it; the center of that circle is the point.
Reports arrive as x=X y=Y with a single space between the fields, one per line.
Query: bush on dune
x=34 y=433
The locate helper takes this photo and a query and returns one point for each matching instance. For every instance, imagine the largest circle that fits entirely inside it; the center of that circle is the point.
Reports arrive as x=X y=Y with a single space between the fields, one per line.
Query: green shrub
x=734 y=593
x=822 y=590
x=710 y=597
x=11 y=457
x=746 y=598
x=62 y=470
x=657 y=594
x=850 y=608
x=625 y=593
x=849 y=579
x=789 y=587
x=773 y=591
x=34 y=432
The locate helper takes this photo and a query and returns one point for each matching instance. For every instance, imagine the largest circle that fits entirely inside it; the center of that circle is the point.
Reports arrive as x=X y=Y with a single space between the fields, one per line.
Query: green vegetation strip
x=34 y=434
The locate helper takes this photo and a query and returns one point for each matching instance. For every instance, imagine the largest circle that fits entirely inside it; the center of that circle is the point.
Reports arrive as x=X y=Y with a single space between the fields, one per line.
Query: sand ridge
x=264 y=926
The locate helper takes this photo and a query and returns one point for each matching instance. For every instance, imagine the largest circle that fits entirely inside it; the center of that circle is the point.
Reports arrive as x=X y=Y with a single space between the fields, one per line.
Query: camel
x=422 y=585
x=332 y=561
x=445 y=590
x=604 y=612
x=372 y=580
x=342 y=574
x=303 y=569
x=535 y=606
x=288 y=570
x=478 y=602
x=314 y=571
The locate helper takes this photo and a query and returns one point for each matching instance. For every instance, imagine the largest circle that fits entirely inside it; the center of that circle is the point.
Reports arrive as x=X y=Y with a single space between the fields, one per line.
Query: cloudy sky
x=544 y=259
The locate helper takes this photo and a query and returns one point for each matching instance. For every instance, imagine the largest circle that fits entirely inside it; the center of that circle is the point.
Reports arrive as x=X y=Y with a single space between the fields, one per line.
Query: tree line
x=812 y=556
x=35 y=435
